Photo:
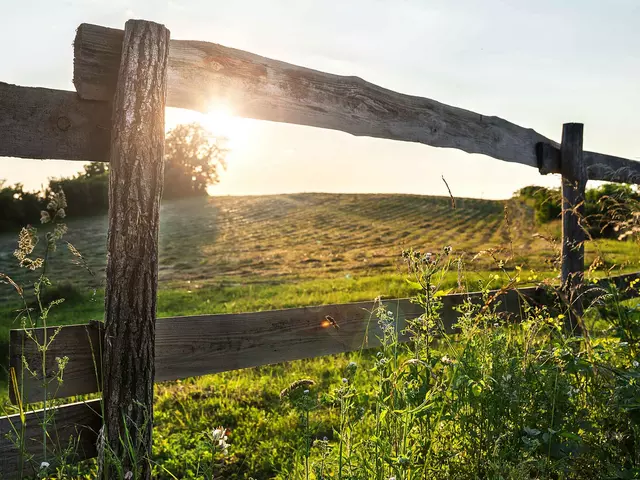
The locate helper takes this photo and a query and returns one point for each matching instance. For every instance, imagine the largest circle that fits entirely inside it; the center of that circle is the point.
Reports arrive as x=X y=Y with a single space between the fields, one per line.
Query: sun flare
x=221 y=122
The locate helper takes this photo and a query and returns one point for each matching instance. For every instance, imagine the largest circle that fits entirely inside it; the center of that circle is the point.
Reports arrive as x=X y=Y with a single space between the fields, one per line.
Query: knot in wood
x=63 y=123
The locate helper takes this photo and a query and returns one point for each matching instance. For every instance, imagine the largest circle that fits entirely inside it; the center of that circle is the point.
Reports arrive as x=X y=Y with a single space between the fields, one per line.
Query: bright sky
x=538 y=63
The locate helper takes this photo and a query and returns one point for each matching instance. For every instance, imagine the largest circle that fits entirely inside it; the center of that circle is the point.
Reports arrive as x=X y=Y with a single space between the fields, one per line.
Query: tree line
x=193 y=159
x=606 y=207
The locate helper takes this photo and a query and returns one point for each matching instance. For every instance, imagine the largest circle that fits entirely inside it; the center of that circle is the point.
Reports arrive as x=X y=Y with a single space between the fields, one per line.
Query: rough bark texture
x=574 y=181
x=135 y=188
x=45 y=123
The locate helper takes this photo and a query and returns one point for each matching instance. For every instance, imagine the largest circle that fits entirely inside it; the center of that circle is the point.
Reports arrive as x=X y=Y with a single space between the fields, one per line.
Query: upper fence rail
x=203 y=74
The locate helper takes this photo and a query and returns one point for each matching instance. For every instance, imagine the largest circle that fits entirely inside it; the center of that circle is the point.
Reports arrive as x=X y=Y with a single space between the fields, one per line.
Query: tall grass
x=496 y=400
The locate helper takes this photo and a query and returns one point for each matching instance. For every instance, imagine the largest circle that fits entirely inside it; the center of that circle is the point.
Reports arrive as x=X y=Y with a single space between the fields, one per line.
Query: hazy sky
x=538 y=63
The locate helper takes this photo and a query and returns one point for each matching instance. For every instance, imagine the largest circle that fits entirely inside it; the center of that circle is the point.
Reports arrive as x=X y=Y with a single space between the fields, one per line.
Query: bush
x=18 y=207
x=87 y=193
x=546 y=202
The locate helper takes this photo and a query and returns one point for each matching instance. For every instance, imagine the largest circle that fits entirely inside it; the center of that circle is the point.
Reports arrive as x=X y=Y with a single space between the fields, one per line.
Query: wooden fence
x=116 y=115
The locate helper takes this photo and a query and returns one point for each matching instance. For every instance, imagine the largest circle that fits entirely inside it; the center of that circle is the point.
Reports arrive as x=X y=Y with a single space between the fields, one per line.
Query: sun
x=221 y=122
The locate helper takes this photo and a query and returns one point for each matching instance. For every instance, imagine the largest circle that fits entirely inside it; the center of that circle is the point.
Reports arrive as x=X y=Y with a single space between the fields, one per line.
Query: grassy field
x=234 y=254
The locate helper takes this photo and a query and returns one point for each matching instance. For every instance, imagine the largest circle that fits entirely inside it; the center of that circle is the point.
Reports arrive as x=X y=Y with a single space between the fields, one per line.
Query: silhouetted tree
x=193 y=158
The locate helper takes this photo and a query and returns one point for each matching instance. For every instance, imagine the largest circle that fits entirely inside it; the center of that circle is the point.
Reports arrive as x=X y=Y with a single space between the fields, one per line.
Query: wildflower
x=44 y=465
x=446 y=360
x=306 y=392
x=26 y=242
x=447 y=249
x=635 y=364
x=428 y=258
x=345 y=380
x=128 y=475
x=351 y=369
x=219 y=437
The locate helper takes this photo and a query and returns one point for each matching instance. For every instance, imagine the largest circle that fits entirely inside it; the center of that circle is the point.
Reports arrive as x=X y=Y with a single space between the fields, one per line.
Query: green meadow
x=240 y=254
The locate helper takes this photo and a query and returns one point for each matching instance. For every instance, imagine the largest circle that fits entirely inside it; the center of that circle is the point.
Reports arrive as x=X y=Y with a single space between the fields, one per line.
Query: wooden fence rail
x=202 y=74
x=204 y=344
x=66 y=127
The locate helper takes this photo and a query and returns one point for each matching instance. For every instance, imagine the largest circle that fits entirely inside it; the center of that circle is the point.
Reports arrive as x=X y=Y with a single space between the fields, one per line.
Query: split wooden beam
x=203 y=75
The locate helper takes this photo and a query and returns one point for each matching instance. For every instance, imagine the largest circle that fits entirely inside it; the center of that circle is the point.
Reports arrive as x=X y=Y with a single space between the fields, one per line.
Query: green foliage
x=495 y=401
x=18 y=207
x=546 y=202
x=193 y=158
x=87 y=193
x=607 y=207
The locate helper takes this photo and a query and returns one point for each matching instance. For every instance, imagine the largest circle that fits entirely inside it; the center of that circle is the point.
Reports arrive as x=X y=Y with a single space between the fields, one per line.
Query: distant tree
x=18 y=207
x=95 y=169
x=546 y=202
x=193 y=158
x=607 y=207
x=87 y=193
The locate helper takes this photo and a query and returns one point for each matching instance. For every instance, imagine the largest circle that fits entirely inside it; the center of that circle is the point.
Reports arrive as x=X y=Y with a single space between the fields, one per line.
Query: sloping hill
x=287 y=237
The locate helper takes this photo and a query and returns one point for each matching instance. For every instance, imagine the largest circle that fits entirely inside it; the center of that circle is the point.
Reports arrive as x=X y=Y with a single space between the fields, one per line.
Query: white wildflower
x=44 y=465
x=219 y=436
x=128 y=475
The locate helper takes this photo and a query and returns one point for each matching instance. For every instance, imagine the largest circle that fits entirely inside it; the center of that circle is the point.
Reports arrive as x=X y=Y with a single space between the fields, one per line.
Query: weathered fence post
x=574 y=181
x=135 y=188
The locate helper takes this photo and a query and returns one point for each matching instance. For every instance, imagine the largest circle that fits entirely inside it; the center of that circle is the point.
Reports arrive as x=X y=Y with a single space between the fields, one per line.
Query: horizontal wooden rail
x=202 y=75
x=44 y=123
x=599 y=166
x=72 y=431
x=203 y=344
